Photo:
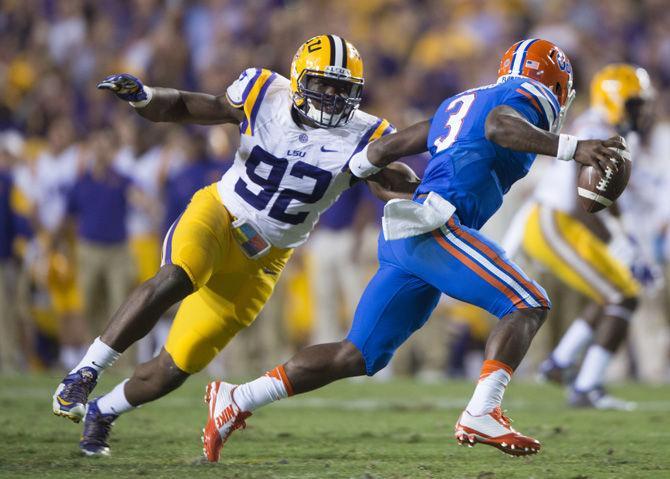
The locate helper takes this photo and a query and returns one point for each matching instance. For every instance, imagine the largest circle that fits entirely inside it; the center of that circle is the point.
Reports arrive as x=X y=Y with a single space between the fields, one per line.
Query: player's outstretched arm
x=168 y=104
x=510 y=129
x=387 y=149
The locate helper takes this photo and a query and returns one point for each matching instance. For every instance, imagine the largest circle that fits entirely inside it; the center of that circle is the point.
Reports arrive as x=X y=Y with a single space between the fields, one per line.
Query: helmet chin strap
x=558 y=125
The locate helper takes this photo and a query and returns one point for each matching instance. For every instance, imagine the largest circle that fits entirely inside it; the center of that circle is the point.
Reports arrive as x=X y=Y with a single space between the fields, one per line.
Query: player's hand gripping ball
x=125 y=86
x=604 y=173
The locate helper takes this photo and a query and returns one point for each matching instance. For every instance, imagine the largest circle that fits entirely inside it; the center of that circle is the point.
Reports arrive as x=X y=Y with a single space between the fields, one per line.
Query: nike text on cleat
x=598 y=398
x=71 y=395
x=97 y=427
x=224 y=416
x=494 y=429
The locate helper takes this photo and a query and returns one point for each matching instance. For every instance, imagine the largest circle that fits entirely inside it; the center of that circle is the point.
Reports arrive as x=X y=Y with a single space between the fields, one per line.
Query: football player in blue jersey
x=481 y=141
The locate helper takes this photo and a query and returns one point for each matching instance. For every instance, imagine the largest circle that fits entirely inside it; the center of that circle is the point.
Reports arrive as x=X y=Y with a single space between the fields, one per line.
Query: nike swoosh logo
x=63 y=402
x=325 y=150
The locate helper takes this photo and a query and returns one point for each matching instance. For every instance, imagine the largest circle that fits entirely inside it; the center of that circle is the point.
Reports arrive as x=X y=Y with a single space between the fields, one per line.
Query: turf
x=363 y=430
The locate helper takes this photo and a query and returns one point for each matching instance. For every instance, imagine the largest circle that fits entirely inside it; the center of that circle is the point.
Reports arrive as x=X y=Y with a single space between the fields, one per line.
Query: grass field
x=362 y=430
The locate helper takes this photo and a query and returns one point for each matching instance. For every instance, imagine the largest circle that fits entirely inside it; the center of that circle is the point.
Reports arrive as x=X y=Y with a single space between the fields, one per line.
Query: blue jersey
x=468 y=170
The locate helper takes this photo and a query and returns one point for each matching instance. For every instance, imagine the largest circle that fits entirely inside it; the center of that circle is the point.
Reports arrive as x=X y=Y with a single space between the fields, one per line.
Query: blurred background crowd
x=88 y=188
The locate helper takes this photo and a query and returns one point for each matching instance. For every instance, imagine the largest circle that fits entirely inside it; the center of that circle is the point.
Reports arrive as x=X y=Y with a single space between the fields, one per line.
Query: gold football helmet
x=327 y=80
x=616 y=84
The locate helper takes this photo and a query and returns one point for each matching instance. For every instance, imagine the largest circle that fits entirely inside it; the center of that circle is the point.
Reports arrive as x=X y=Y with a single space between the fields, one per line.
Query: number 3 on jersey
x=270 y=185
x=459 y=108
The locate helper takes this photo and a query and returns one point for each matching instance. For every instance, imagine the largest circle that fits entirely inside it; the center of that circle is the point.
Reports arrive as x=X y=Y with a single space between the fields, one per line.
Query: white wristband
x=567 y=145
x=142 y=103
x=360 y=166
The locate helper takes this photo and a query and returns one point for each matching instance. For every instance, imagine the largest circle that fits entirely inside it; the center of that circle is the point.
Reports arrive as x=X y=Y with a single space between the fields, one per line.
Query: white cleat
x=494 y=429
x=224 y=416
x=598 y=398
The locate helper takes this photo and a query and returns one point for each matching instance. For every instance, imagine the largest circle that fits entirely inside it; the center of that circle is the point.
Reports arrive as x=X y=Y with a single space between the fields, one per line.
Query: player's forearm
x=509 y=130
x=407 y=142
x=168 y=104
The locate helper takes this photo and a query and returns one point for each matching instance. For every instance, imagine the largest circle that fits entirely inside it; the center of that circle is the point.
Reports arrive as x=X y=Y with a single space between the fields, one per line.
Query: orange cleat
x=223 y=418
x=494 y=429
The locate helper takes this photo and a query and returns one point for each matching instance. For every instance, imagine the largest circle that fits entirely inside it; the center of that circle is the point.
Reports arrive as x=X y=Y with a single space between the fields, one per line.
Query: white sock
x=69 y=356
x=592 y=372
x=115 y=402
x=489 y=391
x=99 y=357
x=573 y=342
x=271 y=387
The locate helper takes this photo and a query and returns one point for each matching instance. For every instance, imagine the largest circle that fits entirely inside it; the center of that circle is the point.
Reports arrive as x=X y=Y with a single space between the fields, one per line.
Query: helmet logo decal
x=563 y=64
x=533 y=64
x=337 y=71
x=314 y=44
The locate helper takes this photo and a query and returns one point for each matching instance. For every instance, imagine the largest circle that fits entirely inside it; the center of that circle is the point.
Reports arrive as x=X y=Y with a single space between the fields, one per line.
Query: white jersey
x=558 y=187
x=645 y=203
x=54 y=176
x=284 y=175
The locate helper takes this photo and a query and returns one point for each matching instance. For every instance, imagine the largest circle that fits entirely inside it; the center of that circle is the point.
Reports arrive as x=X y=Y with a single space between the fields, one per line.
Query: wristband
x=567 y=145
x=360 y=166
x=148 y=91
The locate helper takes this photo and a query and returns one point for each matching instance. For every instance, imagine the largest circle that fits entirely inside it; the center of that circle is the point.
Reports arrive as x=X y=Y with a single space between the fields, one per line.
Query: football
x=597 y=191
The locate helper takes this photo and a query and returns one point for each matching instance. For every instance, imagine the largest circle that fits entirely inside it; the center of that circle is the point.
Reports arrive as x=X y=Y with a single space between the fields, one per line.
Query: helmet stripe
x=339 y=50
x=331 y=43
x=520 y=56
x=345 y=53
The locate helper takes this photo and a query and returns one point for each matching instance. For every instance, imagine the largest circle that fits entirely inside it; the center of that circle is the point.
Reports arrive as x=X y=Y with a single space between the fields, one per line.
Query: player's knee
x=529 y=320
x=538 y=315
x=348 y=360
x=630 y=303
x=622 y=309
x=171 y=280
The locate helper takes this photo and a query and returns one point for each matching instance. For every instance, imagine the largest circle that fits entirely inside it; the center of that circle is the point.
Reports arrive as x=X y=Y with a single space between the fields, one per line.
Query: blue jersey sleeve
x=535 y=102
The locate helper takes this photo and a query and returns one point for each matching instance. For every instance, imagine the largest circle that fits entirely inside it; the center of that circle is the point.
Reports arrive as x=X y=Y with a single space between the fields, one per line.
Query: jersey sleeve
x=380 y=128
x=248 y=92
x=535 y=102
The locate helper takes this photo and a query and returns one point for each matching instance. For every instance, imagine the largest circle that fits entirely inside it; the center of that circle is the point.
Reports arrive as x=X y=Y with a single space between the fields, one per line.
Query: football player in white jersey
x=224 y=254
x=579 y=248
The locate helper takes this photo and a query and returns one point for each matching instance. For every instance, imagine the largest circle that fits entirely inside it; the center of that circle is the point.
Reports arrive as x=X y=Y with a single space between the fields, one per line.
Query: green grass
x=360 y=430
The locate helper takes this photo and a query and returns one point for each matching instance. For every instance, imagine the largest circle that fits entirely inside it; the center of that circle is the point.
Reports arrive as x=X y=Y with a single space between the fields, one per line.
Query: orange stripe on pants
x=511 y=295
x=495 y=258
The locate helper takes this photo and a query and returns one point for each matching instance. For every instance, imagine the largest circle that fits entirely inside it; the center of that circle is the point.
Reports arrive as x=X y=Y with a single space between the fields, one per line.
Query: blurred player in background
x=44 y=185
x=591 y=253
x=334 y=252
x=481 y=142
x=226 y=251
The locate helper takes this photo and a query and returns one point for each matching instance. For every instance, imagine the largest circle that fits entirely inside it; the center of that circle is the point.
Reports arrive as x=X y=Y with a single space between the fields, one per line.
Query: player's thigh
x=577 y=257
x=230 y=301
x=393 y=306
x=200 y=239
x=466 y=265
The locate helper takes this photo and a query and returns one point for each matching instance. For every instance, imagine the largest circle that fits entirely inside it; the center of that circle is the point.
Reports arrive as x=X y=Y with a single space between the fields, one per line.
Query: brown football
x=596 y=191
